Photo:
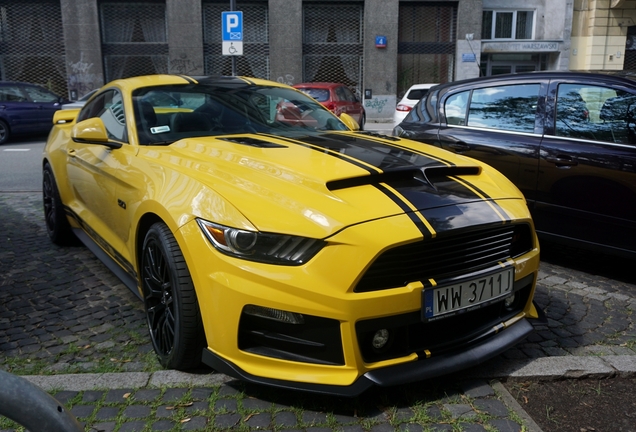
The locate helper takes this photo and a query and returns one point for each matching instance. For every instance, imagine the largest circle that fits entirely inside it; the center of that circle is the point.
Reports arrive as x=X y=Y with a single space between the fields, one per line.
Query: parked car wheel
x=172 y=309
x=57 y=226
x=363 y=120
x=5 y=132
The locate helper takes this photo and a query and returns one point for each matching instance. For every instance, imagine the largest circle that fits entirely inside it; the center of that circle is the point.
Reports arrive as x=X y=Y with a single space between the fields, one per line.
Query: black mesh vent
x=32 y=44
x=445 y=256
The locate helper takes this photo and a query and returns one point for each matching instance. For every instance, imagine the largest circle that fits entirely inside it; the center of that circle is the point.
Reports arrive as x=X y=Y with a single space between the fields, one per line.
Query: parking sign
x=232 y=32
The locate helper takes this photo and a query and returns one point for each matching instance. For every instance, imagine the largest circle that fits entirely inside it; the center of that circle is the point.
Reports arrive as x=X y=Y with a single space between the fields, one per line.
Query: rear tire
x=5 y=132
x=172 y=309
x=57 y=226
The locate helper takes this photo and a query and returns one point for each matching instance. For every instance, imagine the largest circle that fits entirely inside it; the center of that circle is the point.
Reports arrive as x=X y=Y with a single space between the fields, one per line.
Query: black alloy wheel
x=172 y=309
x=57 y=226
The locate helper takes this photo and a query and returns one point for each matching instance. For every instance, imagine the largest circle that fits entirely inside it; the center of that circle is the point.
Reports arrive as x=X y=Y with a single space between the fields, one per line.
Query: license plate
x=470 y=294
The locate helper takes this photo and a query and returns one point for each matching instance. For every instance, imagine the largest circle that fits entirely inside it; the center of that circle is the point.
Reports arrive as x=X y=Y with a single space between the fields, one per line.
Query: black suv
x=26 y=109
x=566 y=139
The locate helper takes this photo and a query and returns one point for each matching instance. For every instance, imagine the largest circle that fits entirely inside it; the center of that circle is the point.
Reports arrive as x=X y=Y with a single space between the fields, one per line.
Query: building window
x=499 y=24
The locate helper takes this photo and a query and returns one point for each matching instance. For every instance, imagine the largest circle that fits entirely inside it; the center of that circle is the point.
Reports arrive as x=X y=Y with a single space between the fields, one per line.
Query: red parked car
x=336 y=97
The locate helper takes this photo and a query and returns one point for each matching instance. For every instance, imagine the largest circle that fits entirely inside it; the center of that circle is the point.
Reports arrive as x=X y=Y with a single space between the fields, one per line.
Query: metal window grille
x=32 y=44
x=134 y=39
x=255 y=59
x=332 y=44
x=629 y=62
x=426 y=43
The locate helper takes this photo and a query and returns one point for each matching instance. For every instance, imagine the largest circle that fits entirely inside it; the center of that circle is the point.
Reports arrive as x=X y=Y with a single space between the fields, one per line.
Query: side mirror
x=349 y=122
x=65 y=116
x=92 y=131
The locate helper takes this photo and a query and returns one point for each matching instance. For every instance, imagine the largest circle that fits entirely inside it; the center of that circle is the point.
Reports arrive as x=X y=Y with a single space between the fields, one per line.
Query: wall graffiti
x=286 y=79
x=81 y=80
x=183 y=66
x=376 y=104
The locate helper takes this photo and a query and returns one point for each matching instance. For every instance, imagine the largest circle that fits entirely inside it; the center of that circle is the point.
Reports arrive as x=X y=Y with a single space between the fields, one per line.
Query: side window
x=11 y=94
x=455 y=108
x=511 y=107
x=595 y=113
x=41 y=95
x=109 y=107
x=341 y=95
x=349 y=94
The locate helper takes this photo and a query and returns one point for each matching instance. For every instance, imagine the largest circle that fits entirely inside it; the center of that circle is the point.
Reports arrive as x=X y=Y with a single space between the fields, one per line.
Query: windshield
x=164 y=114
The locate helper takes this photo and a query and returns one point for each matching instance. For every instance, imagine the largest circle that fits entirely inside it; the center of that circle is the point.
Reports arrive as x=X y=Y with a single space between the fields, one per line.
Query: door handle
x=562 y=161
x=71 y=153
x=459 y=146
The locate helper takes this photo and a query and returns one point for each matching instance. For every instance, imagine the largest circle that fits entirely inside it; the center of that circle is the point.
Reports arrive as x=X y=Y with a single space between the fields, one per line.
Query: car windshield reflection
x=165 y=114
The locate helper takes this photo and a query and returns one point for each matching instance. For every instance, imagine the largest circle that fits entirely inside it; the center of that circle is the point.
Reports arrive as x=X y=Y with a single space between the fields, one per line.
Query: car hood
x=316 y=185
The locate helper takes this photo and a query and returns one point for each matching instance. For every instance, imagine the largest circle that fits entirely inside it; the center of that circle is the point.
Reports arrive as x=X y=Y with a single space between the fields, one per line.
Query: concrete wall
x=380 y=64
x=469 y=15
x=185 y=37
x=599 y=33
x=286 y=41
x=83 y=47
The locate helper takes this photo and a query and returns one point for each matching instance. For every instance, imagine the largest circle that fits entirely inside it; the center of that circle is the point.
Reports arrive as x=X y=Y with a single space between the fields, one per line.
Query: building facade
x=377 y=47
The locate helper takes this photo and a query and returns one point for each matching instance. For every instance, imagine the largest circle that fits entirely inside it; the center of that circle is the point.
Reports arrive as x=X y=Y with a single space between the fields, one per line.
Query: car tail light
x=330 y=106
x=404 y=108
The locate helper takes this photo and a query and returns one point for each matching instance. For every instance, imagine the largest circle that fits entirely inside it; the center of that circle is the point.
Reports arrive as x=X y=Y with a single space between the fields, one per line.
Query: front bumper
x=486 y=348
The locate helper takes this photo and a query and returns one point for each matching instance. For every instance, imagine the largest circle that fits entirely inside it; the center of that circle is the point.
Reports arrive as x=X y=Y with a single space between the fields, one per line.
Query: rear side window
x=321 y=95
x=455 y=108
x=511 y=107
x=595 y=113
x=11 y=94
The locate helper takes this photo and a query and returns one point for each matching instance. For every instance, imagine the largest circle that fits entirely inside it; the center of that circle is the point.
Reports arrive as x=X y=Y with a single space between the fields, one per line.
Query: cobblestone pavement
x=62 y=311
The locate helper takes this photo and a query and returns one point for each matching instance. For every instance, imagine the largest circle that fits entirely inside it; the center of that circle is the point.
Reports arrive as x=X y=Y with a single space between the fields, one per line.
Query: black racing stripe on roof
x=189 y=79
x=407 y=210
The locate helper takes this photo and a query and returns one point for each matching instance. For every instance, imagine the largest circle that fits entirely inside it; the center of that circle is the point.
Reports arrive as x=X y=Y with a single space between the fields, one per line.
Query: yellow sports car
x=274 y=242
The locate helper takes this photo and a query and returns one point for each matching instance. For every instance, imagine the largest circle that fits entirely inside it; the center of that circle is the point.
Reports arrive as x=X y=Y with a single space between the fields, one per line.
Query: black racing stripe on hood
x=379 y=139
x=331 y=152
x=382 y=155
x=407 y=210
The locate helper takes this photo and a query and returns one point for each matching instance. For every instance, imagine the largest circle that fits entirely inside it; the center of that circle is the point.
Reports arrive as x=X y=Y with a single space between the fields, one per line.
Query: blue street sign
x=232 y=26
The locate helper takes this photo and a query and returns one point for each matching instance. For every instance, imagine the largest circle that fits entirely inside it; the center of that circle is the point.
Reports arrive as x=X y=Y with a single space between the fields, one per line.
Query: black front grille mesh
x=445 y=256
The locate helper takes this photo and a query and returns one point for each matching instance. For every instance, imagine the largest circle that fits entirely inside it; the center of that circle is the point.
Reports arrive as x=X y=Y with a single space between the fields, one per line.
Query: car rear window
x=416 y=94
x=321 y=95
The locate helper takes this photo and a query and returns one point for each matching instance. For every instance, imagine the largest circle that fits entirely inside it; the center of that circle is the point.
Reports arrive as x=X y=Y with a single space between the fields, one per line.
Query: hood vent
x=414 y=175
x=254 y=142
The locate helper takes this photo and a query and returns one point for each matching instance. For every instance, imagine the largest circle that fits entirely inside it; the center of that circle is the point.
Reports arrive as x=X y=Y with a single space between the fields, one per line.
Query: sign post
x=232 y=35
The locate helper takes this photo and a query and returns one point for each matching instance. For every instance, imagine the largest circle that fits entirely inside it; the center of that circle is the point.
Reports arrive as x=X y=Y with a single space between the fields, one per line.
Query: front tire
x=172 y=309
x=57 y=226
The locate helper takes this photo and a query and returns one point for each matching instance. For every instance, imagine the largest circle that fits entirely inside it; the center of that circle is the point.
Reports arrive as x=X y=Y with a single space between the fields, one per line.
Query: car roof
x=422 y=86
x=539 y=75
x=319 y=84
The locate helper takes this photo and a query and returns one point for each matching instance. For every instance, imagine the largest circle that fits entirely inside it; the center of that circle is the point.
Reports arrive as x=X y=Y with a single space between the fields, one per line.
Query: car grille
x=446 y=256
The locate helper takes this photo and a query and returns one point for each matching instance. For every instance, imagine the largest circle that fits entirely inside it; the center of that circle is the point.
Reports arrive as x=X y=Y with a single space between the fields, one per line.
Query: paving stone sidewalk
x=63 y=312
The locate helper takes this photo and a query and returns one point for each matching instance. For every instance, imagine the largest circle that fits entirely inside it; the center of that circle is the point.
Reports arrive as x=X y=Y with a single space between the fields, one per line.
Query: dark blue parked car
x=26 y=109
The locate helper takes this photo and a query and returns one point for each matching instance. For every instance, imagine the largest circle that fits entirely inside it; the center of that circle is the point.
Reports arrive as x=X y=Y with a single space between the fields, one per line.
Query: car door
x=44 y=104
x=497 y=123
x=586 y=186
x=94 y=173
x=18 y=111
x=352 y=106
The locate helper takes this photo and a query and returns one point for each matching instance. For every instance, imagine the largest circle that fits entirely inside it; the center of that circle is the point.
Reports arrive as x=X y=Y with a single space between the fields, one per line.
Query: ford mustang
x=275 y=242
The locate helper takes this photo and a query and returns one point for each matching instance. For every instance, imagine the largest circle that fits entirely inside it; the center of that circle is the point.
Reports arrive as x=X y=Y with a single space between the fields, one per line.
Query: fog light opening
x=510 y=300
x=274 y=314
x=381 y=339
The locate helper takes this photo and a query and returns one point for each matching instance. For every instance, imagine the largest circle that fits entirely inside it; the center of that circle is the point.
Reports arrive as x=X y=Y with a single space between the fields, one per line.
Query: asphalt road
x=21 y=165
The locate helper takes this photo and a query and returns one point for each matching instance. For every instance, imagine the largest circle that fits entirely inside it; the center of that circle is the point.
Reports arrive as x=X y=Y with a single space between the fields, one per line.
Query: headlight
x=261 y=247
